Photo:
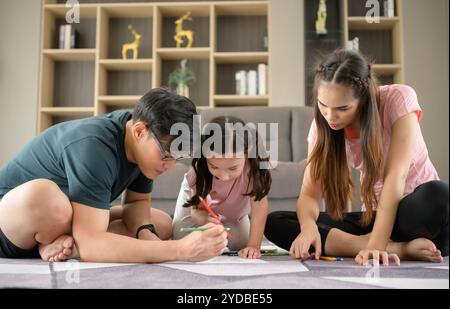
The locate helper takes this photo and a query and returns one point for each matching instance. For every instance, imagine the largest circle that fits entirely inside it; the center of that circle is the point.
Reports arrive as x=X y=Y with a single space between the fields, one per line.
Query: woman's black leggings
x=423 y=213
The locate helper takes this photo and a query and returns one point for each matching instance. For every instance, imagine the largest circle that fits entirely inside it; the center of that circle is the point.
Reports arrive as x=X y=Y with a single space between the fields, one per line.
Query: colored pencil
x=330 y=258
x=192 y=229
x=213 y=214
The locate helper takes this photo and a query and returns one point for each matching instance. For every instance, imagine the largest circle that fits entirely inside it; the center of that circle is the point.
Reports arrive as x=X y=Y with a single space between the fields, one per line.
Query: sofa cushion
x=265 y=115
x=302 y=117
x=167 y=186
x=287 y=178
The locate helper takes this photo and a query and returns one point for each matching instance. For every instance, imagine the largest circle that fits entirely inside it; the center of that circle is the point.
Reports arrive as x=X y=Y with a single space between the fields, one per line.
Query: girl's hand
x=200 y=215
x=249 y=253
x=308 y=237
x=210 y=219
x=381 y=257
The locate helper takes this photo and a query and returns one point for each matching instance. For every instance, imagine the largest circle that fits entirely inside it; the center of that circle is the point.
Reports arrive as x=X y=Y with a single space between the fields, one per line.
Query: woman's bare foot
x=61 y=249
x=422 y=249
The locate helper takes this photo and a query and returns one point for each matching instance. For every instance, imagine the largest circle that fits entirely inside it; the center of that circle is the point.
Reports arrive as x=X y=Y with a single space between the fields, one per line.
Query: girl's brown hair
x=328 y=159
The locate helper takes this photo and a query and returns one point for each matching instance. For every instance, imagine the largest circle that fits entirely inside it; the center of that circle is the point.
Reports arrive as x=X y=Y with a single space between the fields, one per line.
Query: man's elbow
x=85 y=246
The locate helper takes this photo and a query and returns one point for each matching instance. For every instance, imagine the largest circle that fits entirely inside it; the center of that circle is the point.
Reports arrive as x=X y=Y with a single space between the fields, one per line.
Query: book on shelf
x=62 y=33
x=389 y=8
x=262 y=79
x=241 y=82
x=252 y=80
x=67 y=37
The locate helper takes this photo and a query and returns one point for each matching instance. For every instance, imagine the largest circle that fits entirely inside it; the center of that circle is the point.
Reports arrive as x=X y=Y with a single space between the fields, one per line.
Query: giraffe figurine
x=180 y=33
x=134 y=46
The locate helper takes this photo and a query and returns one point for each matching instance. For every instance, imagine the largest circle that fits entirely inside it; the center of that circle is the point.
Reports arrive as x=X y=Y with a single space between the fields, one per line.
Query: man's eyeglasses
x=167 y=156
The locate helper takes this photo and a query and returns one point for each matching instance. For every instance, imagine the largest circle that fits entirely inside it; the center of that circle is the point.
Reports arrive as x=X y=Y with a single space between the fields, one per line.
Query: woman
x=375 y=130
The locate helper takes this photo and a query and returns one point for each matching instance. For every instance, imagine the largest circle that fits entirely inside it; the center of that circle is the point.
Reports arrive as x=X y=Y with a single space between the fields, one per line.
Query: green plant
x=182 y=75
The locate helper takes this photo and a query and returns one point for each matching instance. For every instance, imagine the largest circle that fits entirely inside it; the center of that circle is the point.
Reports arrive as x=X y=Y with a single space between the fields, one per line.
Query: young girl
x=375 y=130
x=232 y=183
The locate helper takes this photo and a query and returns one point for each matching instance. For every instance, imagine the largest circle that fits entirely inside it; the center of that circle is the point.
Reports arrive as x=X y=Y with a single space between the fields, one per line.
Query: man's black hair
x=160 y=108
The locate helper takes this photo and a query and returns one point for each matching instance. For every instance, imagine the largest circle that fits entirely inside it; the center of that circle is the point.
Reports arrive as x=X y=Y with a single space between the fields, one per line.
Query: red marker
x=212 y=214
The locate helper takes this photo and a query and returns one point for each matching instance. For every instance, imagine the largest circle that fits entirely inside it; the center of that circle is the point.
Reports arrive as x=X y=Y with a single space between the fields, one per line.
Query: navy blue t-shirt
x=85 y=158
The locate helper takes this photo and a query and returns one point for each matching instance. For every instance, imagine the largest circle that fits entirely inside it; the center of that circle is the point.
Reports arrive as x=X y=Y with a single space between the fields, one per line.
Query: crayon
x=213 y=214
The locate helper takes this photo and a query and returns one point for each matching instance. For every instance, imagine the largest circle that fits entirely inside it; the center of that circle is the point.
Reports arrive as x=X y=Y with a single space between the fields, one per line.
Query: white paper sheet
x=235 y=266
x=44 y=268
x=222 y=259
x=350 y=263
x=397 y=283
x=24 y=269
x=437 y=267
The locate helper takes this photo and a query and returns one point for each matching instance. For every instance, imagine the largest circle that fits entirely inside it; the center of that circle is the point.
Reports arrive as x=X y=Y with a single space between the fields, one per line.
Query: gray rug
x=283 y=272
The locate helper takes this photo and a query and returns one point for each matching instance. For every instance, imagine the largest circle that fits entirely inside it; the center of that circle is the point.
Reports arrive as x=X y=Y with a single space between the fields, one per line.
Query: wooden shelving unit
x=93 y=79
x=382 y=42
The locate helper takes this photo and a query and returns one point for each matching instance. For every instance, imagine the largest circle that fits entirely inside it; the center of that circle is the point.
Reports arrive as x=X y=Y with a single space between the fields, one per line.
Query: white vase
x=183 y=89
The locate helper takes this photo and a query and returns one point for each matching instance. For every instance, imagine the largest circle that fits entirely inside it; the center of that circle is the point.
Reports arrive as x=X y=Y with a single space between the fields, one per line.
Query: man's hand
x=203 y=245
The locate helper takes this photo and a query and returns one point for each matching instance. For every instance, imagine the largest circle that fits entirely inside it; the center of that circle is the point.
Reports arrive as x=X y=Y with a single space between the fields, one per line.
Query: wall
x=286 y=24
x=426 y=70
x=19 y=64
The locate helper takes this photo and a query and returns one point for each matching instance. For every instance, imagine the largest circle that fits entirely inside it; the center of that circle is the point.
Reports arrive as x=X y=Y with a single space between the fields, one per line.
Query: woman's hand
x=381 y=257
x=308 y=237
x=249 y=252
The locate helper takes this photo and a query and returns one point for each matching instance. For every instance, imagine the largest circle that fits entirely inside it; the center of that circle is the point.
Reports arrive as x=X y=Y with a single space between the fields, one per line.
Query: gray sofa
x=293 y=128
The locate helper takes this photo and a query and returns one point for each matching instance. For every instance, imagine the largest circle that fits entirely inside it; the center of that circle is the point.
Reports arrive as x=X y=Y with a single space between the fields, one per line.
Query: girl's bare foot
x=61 y=249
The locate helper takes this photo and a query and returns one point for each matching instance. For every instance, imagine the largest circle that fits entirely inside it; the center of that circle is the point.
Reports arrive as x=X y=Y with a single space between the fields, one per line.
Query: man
x=55 y=193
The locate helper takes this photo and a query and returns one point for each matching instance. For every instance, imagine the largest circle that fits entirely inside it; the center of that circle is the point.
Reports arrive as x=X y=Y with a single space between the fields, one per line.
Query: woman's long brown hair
x=328 y=160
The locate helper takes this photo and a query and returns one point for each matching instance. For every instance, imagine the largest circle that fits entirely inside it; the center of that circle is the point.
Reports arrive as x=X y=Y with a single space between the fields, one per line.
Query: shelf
x=202 y=108
x=60 y=10
x=181 y=53
x=68 y=111
x=238 y=100
x=93 y=79
x=127 y=65
x=234 y=35
x=360 y=23
x=242 y=8
x=128 y=9
x=119 y=100
x=386 y=69
x=241 y=57
x=82 y=54
x=177 y=9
